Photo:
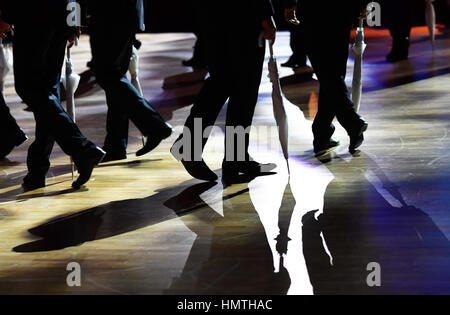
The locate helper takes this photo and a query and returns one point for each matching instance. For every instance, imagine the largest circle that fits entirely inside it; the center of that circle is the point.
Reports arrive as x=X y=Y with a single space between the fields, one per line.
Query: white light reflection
x=308 y=184
x=214 y=199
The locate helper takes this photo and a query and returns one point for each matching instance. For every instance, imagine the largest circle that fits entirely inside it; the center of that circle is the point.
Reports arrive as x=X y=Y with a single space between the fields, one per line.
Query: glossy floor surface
x=144 y=226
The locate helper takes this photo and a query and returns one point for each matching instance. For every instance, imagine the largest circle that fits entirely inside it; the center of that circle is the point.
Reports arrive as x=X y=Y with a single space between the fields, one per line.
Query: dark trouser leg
x=117 y=120
x=199 y=49
x=400 y=24
x=117 y=127
x=201 y=45
x=298 y=44
x=400 y=28
x=11 y=134
x=211 y=100
x=37 y=68
x=334 y=98
x=241 y=107
x=38 y=160
x=111 y=50
x=234 y=77
x=213 y=95
x=8 y=125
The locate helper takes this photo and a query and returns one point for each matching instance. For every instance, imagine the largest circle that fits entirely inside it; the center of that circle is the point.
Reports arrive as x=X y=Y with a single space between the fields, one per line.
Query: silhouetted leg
x=215 y=92
x=38 y=160
x=37 y=79
x=330 y=67
x=117 y=127
x=298 y=44
x=210 y=102
x=111 y=49
x=11 y=134
x=323 y=127
x=8 y=125
x=247 y=65
x=400 y=28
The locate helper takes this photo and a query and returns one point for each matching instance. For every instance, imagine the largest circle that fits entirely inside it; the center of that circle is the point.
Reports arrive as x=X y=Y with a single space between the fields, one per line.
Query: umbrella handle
x=261 y=44
x=261 y=40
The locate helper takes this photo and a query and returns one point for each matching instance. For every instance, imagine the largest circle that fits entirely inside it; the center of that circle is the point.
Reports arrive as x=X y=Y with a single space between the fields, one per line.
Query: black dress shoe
x=31 y=183
x=113 y=156
x=86 y=163
x=11 y=143
x=357 y=137
x=396 y=56
x=154 y=141
x=244 y=172
x=321 y=149
x=400 y=49
x=199 y=170
x=250 y=168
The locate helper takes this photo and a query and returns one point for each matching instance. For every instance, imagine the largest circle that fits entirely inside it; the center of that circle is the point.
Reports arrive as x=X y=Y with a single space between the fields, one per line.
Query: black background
x=178 y=15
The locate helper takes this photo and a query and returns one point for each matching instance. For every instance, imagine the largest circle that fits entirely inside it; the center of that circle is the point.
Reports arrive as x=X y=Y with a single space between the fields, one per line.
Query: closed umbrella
x=278 y=105
x=430 y=16
x=70 y=80
x=5 y=64
x=358 y=48
x=134 y=72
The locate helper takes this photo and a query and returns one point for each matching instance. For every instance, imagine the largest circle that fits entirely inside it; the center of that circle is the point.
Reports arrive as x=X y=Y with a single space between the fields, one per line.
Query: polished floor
x=143 y=226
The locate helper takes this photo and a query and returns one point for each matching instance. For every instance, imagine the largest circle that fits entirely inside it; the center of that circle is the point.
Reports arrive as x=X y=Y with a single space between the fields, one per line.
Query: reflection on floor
x=144 y=226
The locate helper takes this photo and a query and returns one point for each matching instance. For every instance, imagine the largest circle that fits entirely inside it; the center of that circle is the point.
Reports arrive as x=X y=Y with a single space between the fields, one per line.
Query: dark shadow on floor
x=112 y=219
x=16 y=179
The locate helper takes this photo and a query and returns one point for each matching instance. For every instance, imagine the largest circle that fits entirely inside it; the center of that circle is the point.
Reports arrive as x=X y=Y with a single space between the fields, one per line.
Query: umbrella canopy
x=430 y=16
x=134 y=71
x=358 y=48
x=70 y=80
x=278 y=104
x=5 y=63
